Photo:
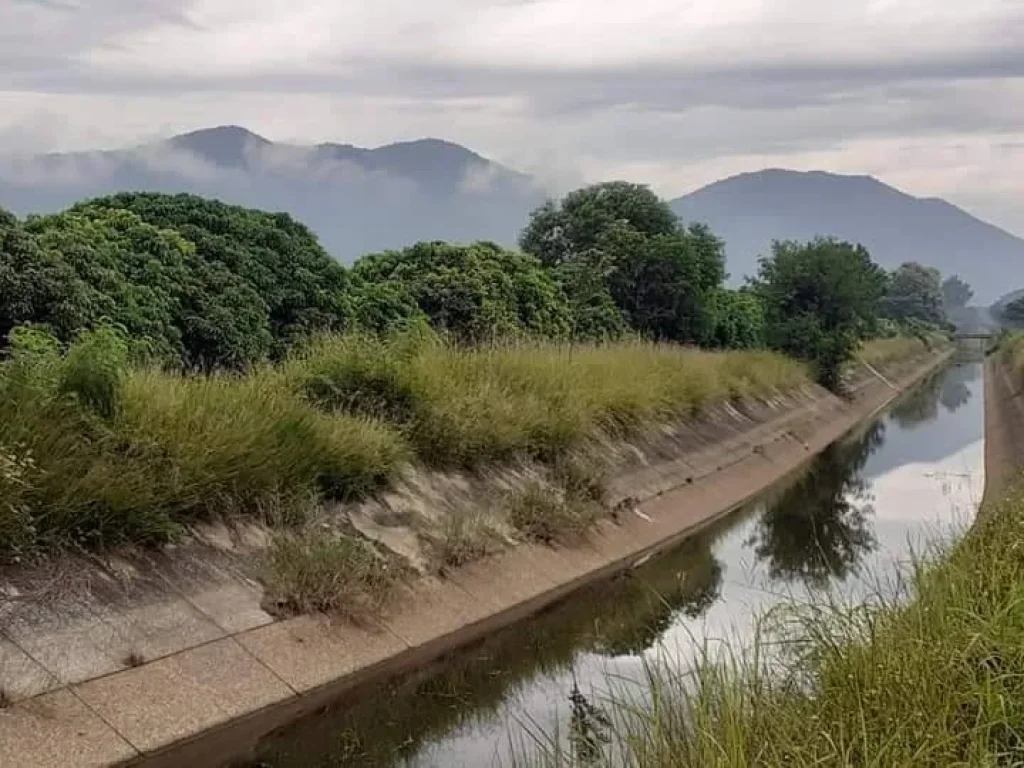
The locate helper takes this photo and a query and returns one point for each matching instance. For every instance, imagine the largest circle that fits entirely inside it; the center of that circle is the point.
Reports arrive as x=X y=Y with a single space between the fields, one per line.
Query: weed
x=328 y=571
x=544 y=514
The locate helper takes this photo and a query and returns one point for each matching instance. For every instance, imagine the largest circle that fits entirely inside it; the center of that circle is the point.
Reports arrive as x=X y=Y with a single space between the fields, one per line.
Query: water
x=849 y=524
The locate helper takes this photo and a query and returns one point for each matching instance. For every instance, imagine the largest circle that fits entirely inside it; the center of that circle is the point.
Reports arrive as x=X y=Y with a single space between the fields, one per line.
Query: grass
x=882 y=352
x=465 y=407
x=930 y=675
x=329 y=571
x=96 y=452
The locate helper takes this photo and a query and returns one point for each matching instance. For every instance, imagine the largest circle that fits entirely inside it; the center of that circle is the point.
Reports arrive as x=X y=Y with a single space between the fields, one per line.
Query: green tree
x=475 y=292
x=594 y=314
x=735 y=320
x=956 y=293
x=658 y=274
x=819 y=301
x=115 y=267
x=36 y=286
x=914 y=293
x=304 y=289
x=557 y=232
x=1013 y=313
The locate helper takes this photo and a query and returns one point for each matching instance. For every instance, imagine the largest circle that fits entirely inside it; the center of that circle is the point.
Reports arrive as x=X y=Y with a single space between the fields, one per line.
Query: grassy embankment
x=932 y=676
x=95 y=452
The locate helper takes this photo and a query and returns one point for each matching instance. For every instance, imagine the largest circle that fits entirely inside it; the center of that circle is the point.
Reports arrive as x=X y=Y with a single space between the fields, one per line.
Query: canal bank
x=844 y=523
x=208 y=703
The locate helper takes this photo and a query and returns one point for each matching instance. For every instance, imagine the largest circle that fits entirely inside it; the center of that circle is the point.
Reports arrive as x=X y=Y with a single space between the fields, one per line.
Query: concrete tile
x=508 y=578
x=56 y=730
x=310 y=651
x=20 y=676
x=180 y=695
x=431 y=608
x=71 y=646
x=232 y=606
x=158 y=628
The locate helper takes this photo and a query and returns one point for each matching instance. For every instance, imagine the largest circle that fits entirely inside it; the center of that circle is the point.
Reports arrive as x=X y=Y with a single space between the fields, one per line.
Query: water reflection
x=389 y=725
x=818 y=528
x=854 y=509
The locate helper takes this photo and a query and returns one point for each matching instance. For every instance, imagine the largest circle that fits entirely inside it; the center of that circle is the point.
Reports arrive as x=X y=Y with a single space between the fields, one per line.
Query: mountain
x=357 y=200
x=750 y=210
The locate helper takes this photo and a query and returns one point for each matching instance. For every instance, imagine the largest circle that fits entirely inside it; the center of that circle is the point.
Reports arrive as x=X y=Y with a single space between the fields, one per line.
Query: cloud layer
x=924 y=93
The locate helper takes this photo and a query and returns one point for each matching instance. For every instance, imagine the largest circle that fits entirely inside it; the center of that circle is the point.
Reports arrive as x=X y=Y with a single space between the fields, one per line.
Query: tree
x=1013 y=313
x=594 y=314
x=36 y=287
x=115 y=267
x=956 y=293
x=915 y=293
x=304 y=289
x=558 y=232
x=475 y=292
x=819 y=301
x=658 y=274
x=735 y=320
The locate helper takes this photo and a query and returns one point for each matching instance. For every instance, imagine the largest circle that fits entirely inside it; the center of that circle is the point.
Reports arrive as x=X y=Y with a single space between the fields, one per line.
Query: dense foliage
x=820 y=300
x=915 y=294
x=474 y=292
x=637 y=257
x=203 y=285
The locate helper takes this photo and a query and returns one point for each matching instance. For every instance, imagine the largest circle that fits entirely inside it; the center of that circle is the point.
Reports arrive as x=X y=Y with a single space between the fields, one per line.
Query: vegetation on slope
x=98 y=451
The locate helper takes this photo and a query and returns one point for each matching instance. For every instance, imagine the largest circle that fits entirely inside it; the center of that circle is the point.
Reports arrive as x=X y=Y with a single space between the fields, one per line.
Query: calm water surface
x=848 y=523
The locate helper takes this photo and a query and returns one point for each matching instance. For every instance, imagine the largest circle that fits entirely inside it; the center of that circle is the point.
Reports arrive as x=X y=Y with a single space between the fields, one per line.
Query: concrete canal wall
x=170 y=659
x=1004 y=428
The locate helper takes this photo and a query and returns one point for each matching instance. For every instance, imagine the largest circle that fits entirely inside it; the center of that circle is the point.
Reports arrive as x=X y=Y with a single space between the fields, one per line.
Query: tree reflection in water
x=818 y=528
x=955 y=392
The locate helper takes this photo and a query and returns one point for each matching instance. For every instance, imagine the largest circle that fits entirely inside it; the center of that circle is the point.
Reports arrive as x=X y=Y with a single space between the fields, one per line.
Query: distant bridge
x=975 y=334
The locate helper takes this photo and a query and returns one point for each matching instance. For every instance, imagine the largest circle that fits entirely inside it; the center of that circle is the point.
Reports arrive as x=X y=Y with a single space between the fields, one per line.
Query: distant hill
x=357 y=200
x=361 y=200
x=752 y=209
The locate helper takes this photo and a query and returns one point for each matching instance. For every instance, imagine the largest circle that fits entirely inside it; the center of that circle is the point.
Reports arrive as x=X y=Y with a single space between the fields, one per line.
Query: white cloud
x=919 y=92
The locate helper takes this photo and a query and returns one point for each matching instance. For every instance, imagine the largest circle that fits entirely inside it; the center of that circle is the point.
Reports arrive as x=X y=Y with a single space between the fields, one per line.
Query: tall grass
x=96 y=451
x=932 y=675
x=882 y=352
x=470 y=406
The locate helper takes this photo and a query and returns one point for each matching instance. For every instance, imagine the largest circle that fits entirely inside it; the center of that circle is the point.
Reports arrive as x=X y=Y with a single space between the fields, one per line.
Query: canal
x=849 y=524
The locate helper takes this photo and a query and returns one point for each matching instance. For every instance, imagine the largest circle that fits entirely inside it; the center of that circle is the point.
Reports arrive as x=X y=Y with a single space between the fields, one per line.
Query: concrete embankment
x=1004 y=428
x=177 y=662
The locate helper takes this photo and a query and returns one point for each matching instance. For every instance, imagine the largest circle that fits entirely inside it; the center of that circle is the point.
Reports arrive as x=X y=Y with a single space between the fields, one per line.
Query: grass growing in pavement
x=881 y=352
x=933 y=680
x=323 y=570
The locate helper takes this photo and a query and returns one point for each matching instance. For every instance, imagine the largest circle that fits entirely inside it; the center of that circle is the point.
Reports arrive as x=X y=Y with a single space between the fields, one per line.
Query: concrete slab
x=310 y=651
x=233 y=606
x=508 y=578
x=184 y=694
x=20 y=676
x=56 y=730
x=72 y=645
x=157 y=629
x=432 y=608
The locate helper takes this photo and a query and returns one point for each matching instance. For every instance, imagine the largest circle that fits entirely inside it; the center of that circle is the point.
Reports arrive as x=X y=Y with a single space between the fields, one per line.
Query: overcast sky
x=926 y=94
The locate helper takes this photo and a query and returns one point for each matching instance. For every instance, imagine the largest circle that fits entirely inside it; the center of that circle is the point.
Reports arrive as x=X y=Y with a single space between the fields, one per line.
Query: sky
x=924 y=94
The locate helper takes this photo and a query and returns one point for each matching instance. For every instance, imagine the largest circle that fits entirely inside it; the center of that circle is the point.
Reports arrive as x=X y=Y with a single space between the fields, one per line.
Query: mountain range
x=362 y=200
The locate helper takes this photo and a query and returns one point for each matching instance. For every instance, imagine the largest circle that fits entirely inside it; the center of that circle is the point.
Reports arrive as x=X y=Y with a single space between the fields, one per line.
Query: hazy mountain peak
x=227 y=146
x=750 y=210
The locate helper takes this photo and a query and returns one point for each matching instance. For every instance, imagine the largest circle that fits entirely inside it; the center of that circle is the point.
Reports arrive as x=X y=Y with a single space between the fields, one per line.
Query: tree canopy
x=474 y=292
x=626 y=246
x=915 y=293
x=303 y=287
x=956 y=293
x=820 y=300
